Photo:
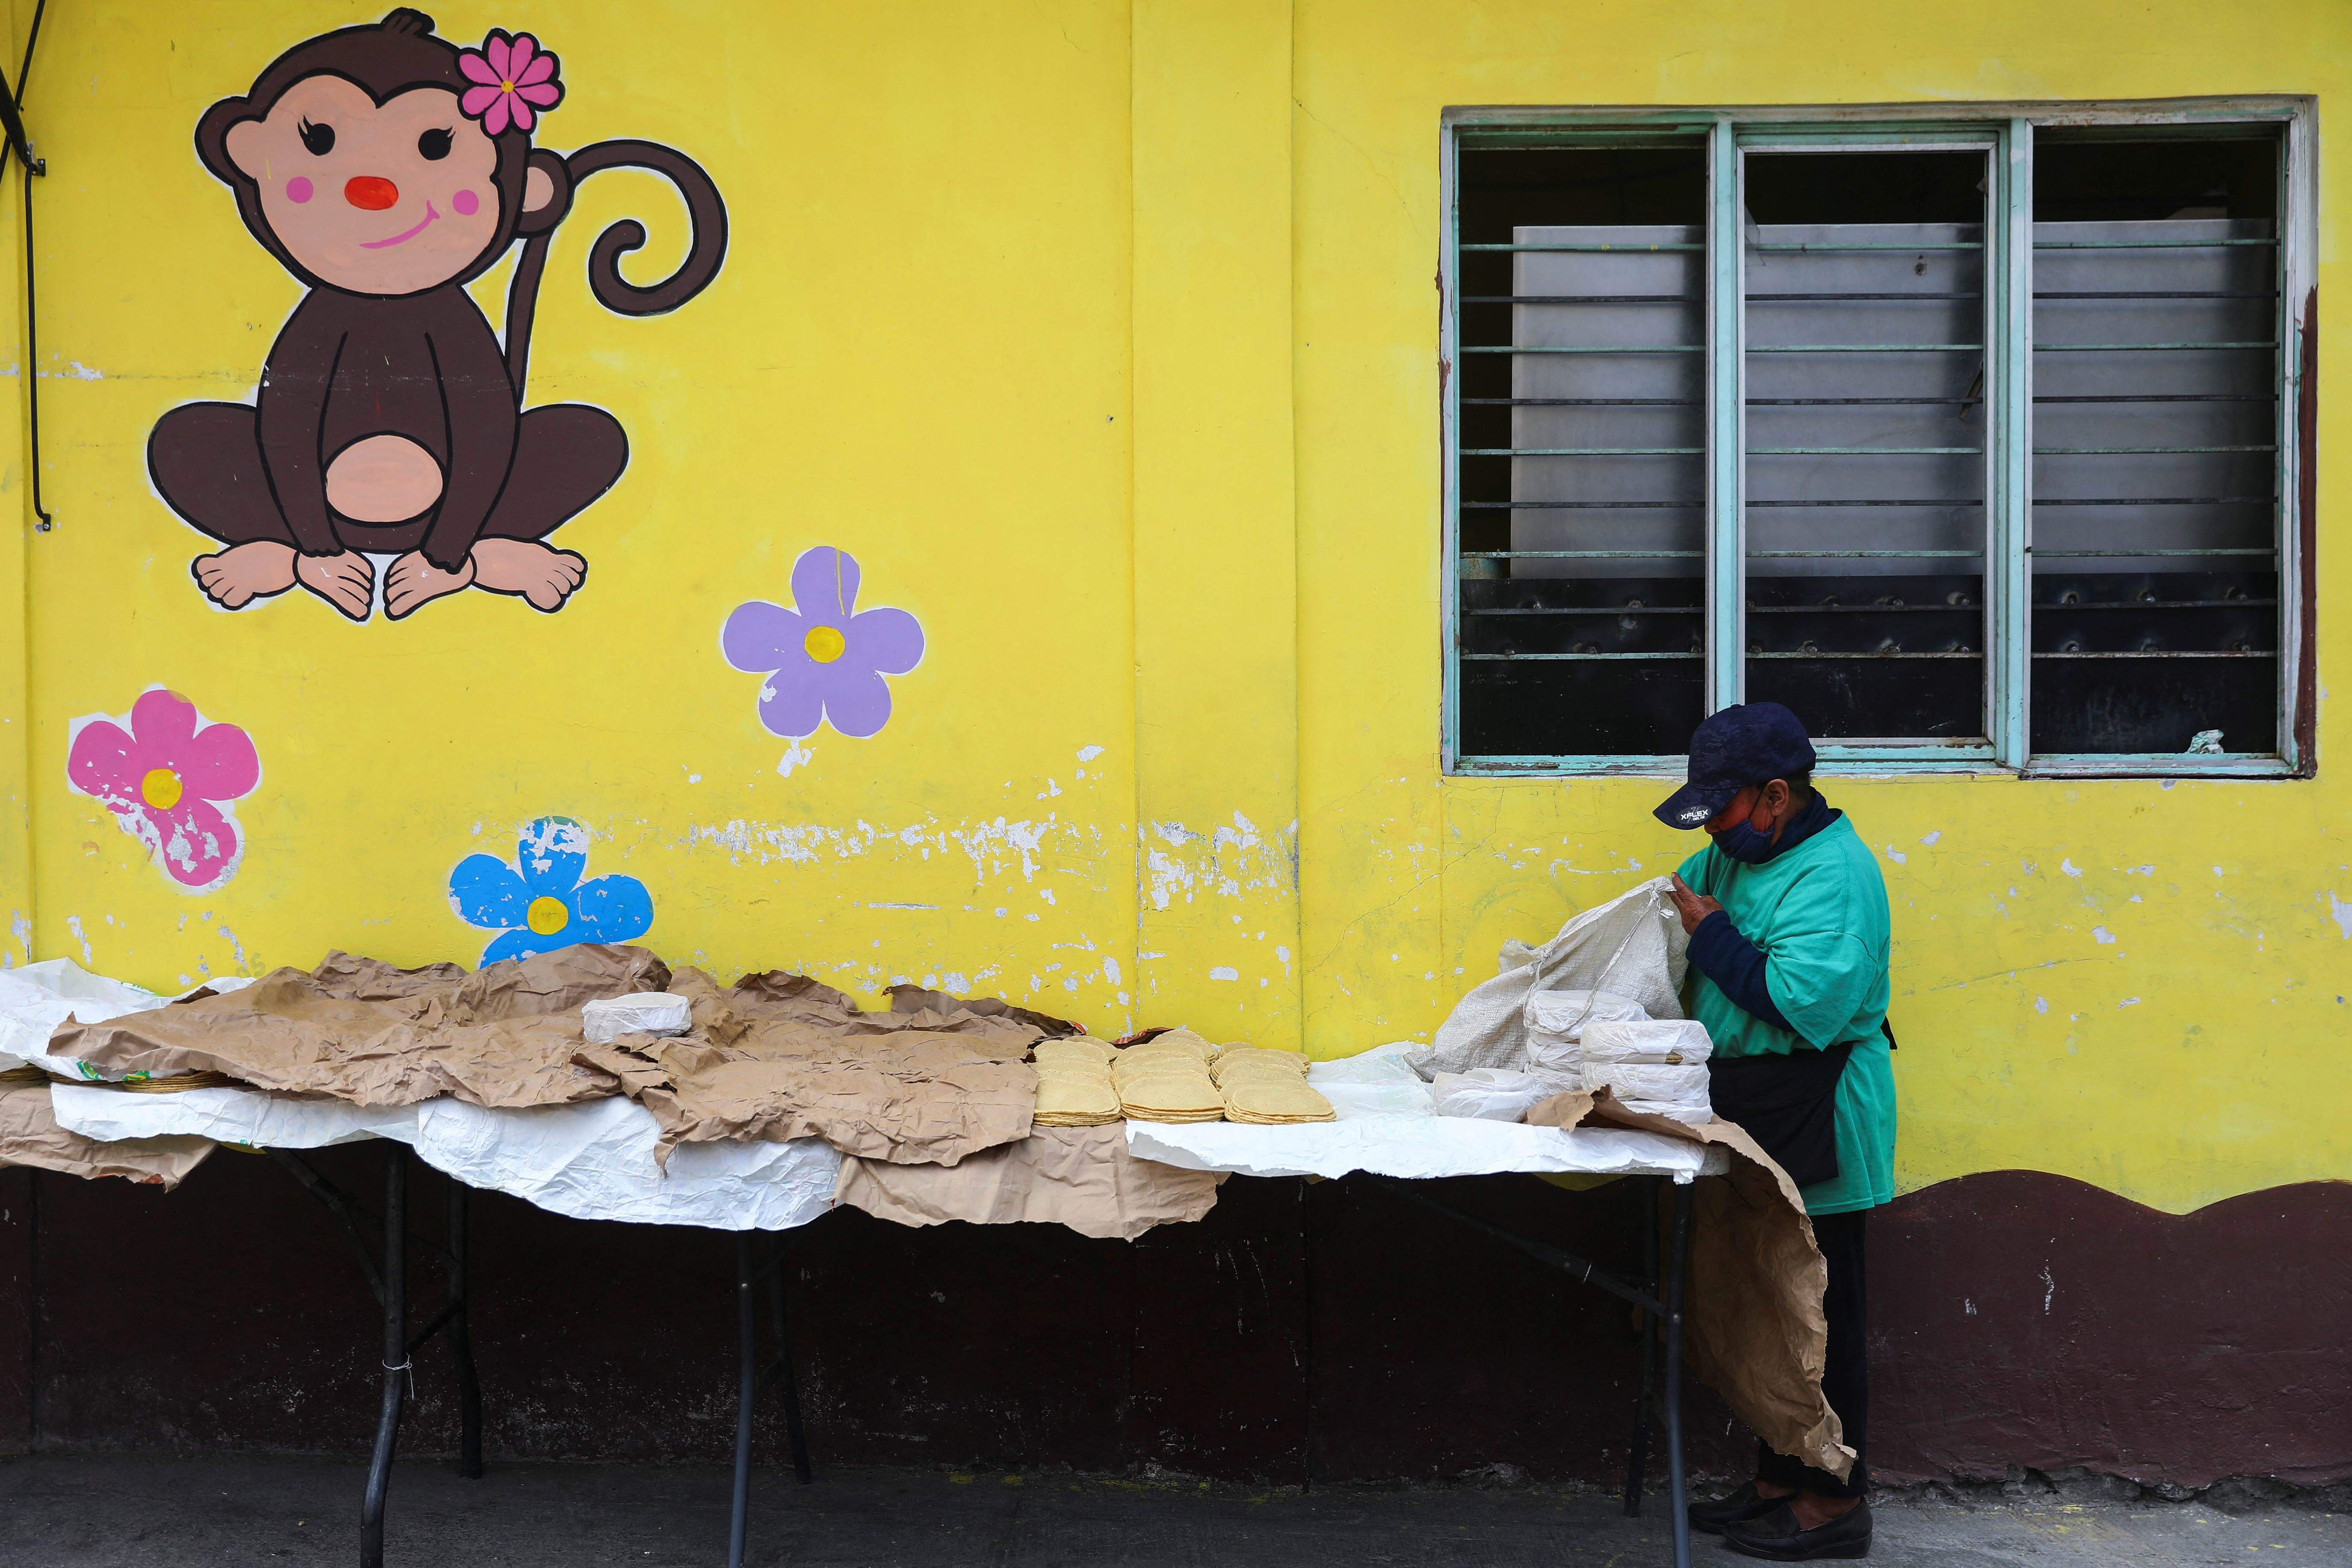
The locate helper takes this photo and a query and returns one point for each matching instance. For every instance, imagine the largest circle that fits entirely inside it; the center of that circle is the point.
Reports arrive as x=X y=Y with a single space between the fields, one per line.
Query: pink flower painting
x=169 y=778
x=513 y=80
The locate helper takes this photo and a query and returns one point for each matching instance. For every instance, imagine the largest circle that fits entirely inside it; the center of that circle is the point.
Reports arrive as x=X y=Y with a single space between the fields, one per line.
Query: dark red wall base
x=2029 y=1319
x=1330 y=1330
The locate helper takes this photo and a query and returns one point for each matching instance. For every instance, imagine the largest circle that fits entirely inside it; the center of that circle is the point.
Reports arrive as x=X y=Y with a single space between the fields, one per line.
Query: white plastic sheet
x=36 y=997
x=591 y=1161
x=1419 y=1147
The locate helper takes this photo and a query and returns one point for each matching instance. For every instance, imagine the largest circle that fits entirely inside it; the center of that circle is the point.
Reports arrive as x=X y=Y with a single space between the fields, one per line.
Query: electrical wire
x=24 y=150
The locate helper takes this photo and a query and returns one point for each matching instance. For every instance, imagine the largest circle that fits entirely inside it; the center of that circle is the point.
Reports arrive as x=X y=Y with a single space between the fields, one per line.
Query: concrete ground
x=146 y=1511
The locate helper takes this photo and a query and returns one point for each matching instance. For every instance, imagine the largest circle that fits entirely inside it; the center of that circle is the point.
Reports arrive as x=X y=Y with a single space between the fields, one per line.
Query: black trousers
x=1845 y=1372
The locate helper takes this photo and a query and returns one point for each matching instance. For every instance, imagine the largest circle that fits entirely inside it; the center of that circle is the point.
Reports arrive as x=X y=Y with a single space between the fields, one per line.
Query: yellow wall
x=1105 y=338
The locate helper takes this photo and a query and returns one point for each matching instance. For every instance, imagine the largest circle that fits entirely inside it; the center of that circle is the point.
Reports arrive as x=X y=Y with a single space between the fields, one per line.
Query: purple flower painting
x=823 y=658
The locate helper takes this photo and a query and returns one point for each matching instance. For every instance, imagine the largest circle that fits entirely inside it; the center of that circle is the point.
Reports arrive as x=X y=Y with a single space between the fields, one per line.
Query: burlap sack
x=1633 y=946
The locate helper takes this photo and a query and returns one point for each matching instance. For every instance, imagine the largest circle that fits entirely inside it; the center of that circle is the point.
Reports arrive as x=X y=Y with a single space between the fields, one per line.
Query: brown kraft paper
x=1754 y=1331
x=29 y=1135
x=362 y=1031
x=1082 y=1177
x=781 y=1056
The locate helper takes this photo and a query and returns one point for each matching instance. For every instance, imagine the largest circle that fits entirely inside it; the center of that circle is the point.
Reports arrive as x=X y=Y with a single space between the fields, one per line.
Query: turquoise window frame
x=2006 y=133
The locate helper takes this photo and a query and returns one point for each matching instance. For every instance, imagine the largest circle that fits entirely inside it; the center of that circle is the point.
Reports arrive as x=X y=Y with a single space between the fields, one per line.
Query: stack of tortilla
x=1074 y=1084
x=1268 y=1087
x=1166 y=1078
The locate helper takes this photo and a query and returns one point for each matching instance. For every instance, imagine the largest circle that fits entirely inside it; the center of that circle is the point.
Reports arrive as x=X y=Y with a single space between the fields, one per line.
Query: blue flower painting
x=539 y=903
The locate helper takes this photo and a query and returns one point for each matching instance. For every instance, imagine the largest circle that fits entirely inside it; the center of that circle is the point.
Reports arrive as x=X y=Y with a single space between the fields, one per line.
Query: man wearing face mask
x=1789 y=940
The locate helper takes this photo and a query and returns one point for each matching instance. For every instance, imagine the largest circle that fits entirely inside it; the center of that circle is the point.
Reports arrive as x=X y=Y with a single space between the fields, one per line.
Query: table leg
x=780 y=1324
x=396 y=1350
x=461 y=1344
x=1677 y=1276
x=1637 y=1453
x=747 y=1392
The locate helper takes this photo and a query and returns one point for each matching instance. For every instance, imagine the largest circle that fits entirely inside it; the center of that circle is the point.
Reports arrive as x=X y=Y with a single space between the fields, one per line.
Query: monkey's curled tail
x=707 y=251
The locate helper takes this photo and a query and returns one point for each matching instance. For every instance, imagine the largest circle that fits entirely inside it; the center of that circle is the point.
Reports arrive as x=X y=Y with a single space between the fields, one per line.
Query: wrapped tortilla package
x=1678 y=1086
x=647 y=1012
x=1493 y=1094
x=1562 y=1016
x=1671 y=1042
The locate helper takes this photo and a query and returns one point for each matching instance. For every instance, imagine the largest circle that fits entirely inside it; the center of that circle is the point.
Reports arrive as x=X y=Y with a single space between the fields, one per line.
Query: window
x=1973 y=440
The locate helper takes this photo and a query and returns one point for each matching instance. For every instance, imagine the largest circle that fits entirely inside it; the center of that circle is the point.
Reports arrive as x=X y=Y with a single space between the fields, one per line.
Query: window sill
x=2163 y=766
x=2160 y=765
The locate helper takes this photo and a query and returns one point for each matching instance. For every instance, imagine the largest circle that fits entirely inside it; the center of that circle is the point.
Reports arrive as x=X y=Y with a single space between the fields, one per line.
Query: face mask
x=1742 y=842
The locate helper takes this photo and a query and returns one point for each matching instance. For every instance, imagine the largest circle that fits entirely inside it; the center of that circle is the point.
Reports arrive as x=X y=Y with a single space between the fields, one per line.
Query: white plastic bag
x=1667 y=1041
x=1381 y=1064
x=1491 y=1094
x=1377 y=1082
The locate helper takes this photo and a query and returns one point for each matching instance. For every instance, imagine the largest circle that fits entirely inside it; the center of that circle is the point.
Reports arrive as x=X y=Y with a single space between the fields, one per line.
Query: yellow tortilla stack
x=1183 y=1040
x=1268 y=1087
x=1167 y=1079
x=1070 y=1096
x=1172 y=1096
x=1074 y=1084
x=1243 y=1058
x=1079 y=1048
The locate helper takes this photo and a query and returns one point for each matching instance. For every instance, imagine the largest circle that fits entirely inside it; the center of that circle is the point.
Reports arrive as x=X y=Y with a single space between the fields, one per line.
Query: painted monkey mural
x=387 y=168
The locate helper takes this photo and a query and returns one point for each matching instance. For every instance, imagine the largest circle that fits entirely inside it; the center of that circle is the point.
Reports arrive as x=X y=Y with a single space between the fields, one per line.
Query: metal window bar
x=1727 y=391
x=1825 y=514
x=1605 y=345
x=2171 y=329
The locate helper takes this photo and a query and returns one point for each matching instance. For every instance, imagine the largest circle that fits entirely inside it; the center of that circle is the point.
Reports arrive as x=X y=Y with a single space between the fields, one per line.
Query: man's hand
x=1692 y=907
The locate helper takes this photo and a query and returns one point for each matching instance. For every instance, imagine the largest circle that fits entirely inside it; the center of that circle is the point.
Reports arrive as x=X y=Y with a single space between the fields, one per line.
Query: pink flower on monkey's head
x=512 y=75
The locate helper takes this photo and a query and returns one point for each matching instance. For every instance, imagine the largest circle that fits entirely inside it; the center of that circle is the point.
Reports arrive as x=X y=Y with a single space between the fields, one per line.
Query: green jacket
x=1819 y=912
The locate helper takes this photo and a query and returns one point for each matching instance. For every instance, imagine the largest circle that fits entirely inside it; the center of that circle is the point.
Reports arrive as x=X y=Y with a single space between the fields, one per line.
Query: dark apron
x=1787 y=1103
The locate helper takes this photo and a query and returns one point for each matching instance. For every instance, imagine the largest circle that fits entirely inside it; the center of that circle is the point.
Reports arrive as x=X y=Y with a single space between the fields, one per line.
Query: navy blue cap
x=1747 y=744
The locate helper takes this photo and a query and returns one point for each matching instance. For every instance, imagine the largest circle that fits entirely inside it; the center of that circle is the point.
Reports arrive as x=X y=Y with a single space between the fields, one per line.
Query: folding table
x=594 y=1160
